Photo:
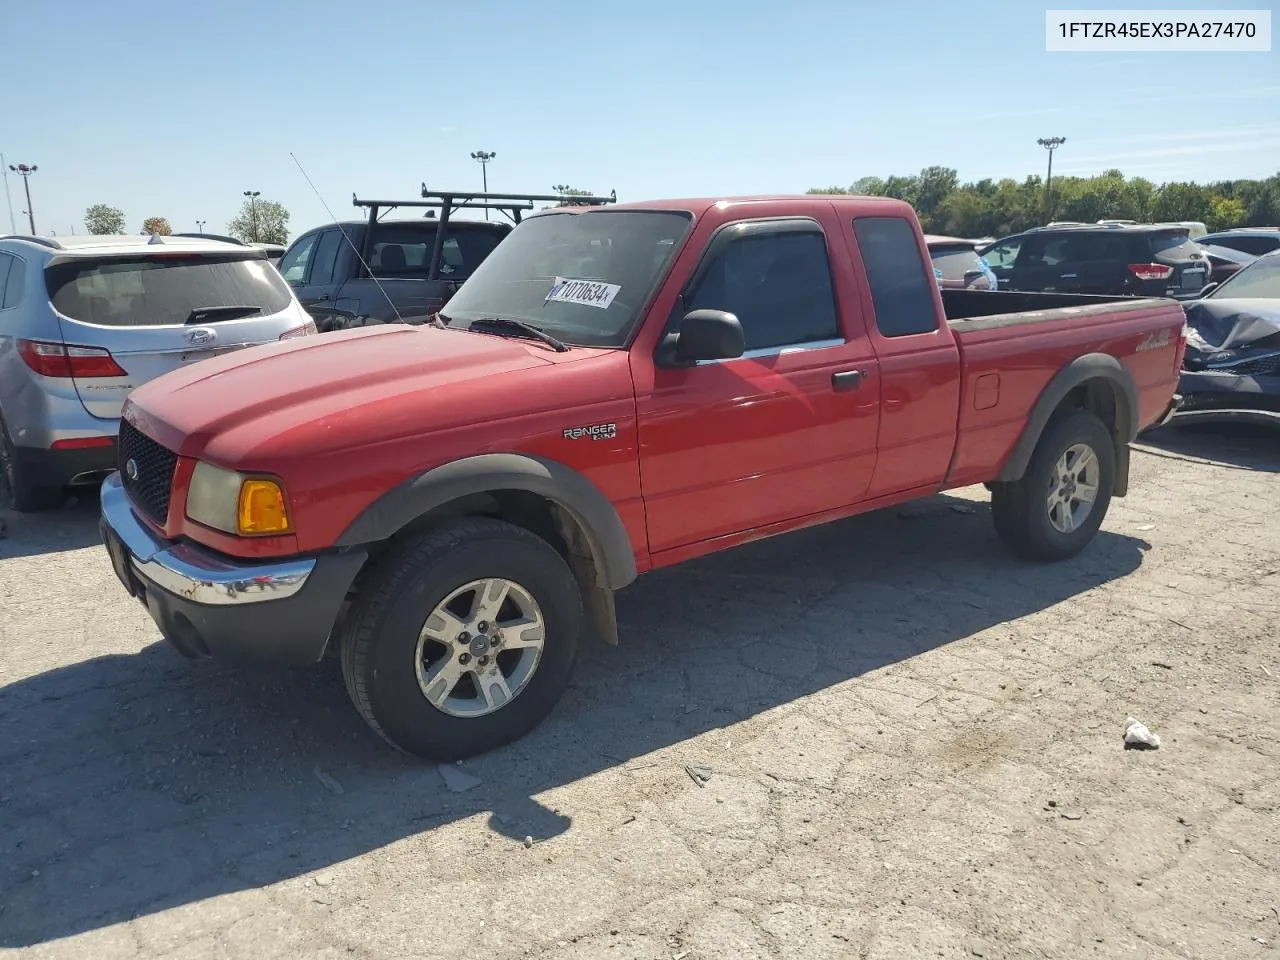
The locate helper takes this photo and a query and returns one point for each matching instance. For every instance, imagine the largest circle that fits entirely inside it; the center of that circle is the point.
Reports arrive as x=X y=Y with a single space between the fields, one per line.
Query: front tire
x=1055 y=510
x=463 y=639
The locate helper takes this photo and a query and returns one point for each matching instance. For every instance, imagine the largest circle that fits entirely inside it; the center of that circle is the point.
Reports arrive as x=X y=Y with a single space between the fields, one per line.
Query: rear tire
x=19 y=489
x=392 y=660
x=1044 y=516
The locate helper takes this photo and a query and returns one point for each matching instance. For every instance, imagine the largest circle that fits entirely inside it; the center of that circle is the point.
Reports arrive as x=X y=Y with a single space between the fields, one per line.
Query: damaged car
x=1231 y=370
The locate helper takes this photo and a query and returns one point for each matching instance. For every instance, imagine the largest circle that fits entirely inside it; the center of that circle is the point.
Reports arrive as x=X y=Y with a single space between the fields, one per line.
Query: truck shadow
x=136 y=783
x=1235 y=445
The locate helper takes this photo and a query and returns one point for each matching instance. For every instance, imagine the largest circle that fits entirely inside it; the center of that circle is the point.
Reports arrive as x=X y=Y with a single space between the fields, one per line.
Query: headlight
x=237 y=504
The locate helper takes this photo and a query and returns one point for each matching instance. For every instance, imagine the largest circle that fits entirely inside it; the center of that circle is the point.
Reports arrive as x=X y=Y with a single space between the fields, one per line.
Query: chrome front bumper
x=188 y=571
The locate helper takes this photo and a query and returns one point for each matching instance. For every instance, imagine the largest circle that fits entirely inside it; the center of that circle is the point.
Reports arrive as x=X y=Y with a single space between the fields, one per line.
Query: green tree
x=264 y=221
x=156 y=226
x=1227 y=212
x=1183 y=201
x=102 y=219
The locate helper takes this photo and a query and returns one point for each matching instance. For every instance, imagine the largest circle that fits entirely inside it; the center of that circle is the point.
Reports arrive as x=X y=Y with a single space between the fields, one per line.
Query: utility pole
x=1051 y=144
x=13 y=227
x=25 y=172
x=200 y=225
x=253 y=196
x=483 y=157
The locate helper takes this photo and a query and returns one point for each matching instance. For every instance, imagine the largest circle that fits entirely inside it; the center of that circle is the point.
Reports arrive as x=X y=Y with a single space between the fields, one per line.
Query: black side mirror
x=707 y=335
x=972 y=275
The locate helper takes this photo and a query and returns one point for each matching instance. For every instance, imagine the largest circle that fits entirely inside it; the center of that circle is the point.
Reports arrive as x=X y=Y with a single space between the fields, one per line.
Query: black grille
x=149 y=480
x=1262 y=367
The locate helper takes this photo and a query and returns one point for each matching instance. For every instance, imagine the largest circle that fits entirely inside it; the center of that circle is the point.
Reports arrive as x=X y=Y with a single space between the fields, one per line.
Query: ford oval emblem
x=201 y=335
x=131 y=468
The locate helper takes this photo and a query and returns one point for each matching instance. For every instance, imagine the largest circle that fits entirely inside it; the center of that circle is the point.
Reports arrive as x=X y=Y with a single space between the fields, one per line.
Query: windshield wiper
x=206 y=314
x=438 y=319
x=507 y=323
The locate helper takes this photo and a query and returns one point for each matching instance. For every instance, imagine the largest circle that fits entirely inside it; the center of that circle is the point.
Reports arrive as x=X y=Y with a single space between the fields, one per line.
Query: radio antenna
x=345 y=236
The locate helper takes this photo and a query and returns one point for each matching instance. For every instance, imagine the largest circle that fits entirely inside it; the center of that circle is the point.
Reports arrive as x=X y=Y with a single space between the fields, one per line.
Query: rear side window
x=955 y=262
x=6 y=264
x=1254 y=245
x=1172 y=243
x=404 y=250
x=164 y=290
x=901 y=291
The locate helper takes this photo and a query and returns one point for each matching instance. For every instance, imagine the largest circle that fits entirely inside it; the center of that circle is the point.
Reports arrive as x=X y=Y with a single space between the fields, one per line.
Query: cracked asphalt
x=914 y=743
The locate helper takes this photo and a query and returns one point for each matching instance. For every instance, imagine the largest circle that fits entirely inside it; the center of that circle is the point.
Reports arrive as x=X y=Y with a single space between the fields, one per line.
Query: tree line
x=997 y=208
x=261 y=220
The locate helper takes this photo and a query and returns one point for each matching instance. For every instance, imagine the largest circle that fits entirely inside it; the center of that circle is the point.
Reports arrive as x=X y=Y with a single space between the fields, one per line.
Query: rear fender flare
x=1091 y=366
x=491 y=472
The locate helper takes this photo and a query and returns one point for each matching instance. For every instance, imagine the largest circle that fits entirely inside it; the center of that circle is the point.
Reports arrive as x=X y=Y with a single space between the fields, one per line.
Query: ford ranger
x=447 y=509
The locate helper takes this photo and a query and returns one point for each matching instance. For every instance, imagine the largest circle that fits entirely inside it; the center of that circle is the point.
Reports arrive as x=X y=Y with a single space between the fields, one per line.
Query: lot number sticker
x=589 y=293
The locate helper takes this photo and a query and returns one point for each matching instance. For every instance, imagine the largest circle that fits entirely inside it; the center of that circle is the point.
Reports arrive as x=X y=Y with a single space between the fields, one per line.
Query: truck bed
x=1013 y=344
x=984 y=309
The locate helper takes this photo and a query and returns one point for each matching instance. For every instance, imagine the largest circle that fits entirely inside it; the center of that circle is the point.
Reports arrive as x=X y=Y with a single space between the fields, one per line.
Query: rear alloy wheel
x=18 y=490
x=1055 y=510
x=463 y=639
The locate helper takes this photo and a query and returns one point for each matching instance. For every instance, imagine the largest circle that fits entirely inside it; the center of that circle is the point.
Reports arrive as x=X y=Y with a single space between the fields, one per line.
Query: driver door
x=784 y=431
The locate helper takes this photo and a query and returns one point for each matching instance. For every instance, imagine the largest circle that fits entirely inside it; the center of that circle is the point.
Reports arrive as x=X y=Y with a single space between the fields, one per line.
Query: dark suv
x=1143 y=260
x=325 y=270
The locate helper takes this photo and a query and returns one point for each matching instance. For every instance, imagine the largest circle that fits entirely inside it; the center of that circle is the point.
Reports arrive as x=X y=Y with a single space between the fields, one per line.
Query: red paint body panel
x=703 y=458
x=1026 y=358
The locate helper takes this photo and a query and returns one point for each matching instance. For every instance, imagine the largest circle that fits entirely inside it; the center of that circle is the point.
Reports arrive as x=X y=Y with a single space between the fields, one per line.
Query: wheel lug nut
x=484 y=661
x=465 y=658
x=464 y=637
x=482 y=626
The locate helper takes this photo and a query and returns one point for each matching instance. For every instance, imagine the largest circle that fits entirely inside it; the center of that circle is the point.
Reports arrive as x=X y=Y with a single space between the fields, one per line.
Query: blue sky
x=175 y=108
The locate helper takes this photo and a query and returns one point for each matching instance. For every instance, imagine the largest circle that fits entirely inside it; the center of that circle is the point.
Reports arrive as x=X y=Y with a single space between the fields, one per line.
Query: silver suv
x=84 y=320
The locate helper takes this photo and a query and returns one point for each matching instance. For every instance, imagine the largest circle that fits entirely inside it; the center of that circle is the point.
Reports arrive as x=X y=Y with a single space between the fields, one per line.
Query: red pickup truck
x=448 y=508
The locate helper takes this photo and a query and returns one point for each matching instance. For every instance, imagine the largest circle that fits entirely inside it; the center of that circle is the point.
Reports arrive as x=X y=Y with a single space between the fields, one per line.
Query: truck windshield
x=583 y=277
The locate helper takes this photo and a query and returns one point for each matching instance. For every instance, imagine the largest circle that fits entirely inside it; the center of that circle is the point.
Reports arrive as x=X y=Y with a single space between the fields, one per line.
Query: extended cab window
x=583 y=277
x=901 y=291
x=778 y=285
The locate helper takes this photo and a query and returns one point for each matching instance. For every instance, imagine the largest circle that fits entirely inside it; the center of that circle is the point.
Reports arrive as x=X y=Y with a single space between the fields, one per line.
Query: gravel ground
x=915 y=746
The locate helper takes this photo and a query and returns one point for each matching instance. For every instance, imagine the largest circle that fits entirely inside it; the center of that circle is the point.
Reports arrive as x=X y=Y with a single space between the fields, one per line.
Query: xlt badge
x=599 y=431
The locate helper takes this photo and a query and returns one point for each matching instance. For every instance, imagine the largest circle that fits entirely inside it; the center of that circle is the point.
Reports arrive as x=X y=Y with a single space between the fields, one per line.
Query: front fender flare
x=490 y=472
x=1091 y=366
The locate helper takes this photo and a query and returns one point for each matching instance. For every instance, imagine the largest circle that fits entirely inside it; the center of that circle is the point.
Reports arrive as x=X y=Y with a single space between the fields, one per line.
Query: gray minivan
x=84 y=320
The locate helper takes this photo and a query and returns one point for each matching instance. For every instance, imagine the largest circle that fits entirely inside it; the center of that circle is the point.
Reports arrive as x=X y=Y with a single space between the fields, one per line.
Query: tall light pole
x=13 y=227
x=1051 y=144
x=253 y=196
x=483 y=157
x=25 y=172
x=200 y=225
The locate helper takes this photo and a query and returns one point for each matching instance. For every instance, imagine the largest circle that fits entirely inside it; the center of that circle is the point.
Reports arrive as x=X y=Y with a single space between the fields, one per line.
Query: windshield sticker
x=588 y=293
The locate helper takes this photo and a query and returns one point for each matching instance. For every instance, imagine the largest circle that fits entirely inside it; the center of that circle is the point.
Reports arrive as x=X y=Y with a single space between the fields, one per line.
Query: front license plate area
x=119 y=560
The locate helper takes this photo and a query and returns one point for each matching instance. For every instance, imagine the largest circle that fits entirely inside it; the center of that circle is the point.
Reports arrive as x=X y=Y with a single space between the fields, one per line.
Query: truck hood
x=337 y=390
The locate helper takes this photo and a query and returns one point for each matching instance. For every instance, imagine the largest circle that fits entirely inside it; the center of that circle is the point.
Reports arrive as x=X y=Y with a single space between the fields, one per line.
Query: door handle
x=1069 y=276
x=846 y=380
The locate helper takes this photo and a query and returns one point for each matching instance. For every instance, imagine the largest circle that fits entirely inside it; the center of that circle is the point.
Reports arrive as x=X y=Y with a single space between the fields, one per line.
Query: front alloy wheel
x=480 y=647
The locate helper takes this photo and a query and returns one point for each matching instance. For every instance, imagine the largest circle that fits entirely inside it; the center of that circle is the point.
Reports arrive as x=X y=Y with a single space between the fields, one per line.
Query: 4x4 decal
x=598 y=431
